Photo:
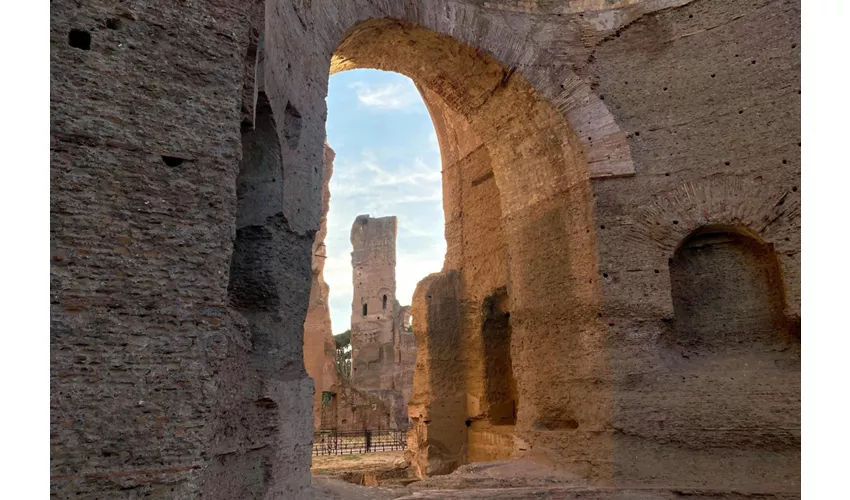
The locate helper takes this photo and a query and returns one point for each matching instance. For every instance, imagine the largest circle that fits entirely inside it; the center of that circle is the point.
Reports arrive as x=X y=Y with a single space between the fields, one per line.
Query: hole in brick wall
x=172 y=161
x=602 y=226
x=793 y=45
x=384 y=303
x=365 y=309
x=794 y=189
x=753 y=61
x=784 y=162
x=667 y=174
x=637 y=134
x=657 y=271
x=113 y=23
x=665 y=89
x=740 y=111
x=690 y=16
x=675 y=222
x=468 y=422
x=79 y=39
x=726 y=163
x=604 y=275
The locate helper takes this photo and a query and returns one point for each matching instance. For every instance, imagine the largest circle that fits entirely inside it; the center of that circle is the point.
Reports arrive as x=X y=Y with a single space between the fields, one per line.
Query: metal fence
x=333 y=442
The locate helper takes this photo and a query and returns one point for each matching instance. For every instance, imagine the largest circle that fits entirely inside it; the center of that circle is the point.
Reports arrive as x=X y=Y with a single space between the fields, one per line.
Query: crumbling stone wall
x=373 y=259
x=437 y=440
x=476 y=248
x=174 y=258
x=319 y=346
x=383 y=352
x=405 y=355
x=614 y=131
x=349 y=409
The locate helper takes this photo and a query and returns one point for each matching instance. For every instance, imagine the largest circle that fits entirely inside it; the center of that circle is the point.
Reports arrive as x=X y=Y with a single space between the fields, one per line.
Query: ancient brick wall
x=161 y=323
x=373 y=260
x=437 y=439
x=383 y=353
x=349 y=409
x=709 y=96
x=476 y=248
x=404 y=356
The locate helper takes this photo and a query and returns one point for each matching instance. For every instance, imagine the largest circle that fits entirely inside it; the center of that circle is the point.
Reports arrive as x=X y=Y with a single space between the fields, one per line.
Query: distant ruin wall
x=319 y=347
x=383 y=352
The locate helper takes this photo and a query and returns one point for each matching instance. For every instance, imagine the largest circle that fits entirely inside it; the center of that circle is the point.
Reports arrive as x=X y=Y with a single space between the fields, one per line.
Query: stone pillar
x=437 y=440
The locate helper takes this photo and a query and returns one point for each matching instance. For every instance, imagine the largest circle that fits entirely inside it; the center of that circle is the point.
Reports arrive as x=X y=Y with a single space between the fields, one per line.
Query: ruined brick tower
x=383 y=352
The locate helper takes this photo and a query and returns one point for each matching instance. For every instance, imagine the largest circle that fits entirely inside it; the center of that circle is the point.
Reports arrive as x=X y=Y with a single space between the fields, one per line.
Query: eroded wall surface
x=169 y=279
x=319 y=346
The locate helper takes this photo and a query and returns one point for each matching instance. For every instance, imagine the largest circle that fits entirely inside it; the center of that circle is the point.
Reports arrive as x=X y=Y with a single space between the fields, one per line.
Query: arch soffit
x=602 y=142
x=533 y=149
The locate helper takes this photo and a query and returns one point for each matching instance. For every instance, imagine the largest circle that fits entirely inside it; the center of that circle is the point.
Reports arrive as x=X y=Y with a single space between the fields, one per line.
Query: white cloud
x=390 y=96
x=433 y=142
x=410 y=189
x=416 y=181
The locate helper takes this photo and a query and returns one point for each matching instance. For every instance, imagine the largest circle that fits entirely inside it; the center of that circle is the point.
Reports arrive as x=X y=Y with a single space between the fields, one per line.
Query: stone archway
x=501 y=137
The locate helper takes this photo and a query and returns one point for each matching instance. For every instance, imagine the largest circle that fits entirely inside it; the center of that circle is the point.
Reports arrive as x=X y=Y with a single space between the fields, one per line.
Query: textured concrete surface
x=599 y=157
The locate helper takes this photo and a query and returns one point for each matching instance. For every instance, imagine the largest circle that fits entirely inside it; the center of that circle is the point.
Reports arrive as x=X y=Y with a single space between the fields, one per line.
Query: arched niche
x=731 y=364
x=727 y=290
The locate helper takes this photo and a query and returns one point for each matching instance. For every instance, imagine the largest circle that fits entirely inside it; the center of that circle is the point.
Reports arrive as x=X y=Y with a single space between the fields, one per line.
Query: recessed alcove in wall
x=727 y=291
x=728 y=343
x=501 y=396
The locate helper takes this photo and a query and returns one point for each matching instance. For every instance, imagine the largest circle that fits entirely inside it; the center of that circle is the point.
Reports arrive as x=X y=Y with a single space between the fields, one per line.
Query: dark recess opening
x=79 y=39
x=365 y=309
x=172 y=161
x=384 y=303
x=500 y=384
x=726 y=289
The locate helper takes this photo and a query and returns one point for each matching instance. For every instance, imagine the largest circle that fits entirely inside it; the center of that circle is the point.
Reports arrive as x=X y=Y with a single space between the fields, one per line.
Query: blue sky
x=387 y=163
